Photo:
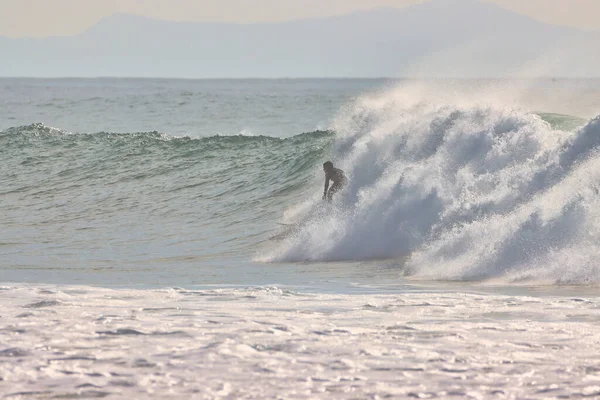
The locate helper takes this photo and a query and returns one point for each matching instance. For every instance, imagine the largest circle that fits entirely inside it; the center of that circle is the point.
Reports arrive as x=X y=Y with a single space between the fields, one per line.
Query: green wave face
x=233 y=170
x=119 y=153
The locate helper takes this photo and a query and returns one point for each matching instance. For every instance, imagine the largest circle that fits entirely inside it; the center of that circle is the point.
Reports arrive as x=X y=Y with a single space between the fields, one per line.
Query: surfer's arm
x=326 y=187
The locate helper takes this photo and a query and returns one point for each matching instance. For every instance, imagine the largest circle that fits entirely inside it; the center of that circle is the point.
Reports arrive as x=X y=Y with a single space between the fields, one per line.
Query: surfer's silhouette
x=338 y=178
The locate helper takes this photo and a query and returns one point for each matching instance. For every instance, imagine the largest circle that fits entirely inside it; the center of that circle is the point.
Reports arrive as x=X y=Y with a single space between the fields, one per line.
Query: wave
x=44 y=162
x=468 y=192
x=38 y=144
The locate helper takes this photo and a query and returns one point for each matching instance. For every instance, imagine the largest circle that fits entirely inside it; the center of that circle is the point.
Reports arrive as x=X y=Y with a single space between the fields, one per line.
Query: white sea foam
x=266 y=342
x=246 y=132
x=467 y=186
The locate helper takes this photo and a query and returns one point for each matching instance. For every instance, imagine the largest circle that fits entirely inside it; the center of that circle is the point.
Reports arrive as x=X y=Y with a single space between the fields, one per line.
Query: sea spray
x=551 y=235
x=469 y=191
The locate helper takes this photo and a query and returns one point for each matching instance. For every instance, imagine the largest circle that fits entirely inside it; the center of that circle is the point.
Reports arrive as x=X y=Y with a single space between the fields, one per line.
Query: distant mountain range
x=439 y=38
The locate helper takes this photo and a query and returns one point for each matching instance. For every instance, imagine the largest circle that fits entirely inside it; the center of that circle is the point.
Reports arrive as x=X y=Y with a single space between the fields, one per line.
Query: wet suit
x=339 y=181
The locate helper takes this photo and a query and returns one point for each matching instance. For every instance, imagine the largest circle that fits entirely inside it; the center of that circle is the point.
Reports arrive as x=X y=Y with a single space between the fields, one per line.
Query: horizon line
x=258 y=78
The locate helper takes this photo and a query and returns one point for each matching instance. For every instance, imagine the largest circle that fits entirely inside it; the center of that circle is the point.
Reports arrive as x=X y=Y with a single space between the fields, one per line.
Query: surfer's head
x=327 y=166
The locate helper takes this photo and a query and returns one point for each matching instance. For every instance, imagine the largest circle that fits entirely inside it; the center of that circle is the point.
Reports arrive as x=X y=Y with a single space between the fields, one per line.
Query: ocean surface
x=167 y=239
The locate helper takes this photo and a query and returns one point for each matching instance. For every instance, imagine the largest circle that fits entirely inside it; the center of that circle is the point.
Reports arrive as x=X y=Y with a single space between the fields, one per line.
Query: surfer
x=337 y=176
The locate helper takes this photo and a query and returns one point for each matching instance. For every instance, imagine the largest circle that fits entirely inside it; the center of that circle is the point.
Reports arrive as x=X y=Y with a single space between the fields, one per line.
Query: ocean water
x=167 y=239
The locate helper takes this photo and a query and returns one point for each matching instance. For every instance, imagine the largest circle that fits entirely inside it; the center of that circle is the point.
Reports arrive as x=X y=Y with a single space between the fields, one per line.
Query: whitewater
x=469 y=192
x=167 y=239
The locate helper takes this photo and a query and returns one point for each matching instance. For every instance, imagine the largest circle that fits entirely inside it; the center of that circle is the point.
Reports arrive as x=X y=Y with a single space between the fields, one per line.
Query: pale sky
x=40 y=18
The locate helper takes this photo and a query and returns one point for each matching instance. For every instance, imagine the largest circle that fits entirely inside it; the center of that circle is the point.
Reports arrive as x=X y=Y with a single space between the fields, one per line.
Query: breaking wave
x=468 y=191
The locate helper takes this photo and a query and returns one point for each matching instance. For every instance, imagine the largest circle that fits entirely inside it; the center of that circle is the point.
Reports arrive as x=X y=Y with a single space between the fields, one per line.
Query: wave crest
x=41 y=130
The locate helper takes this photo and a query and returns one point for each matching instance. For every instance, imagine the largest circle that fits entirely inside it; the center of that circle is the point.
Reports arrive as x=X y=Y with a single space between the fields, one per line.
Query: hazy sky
x=40 y=18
